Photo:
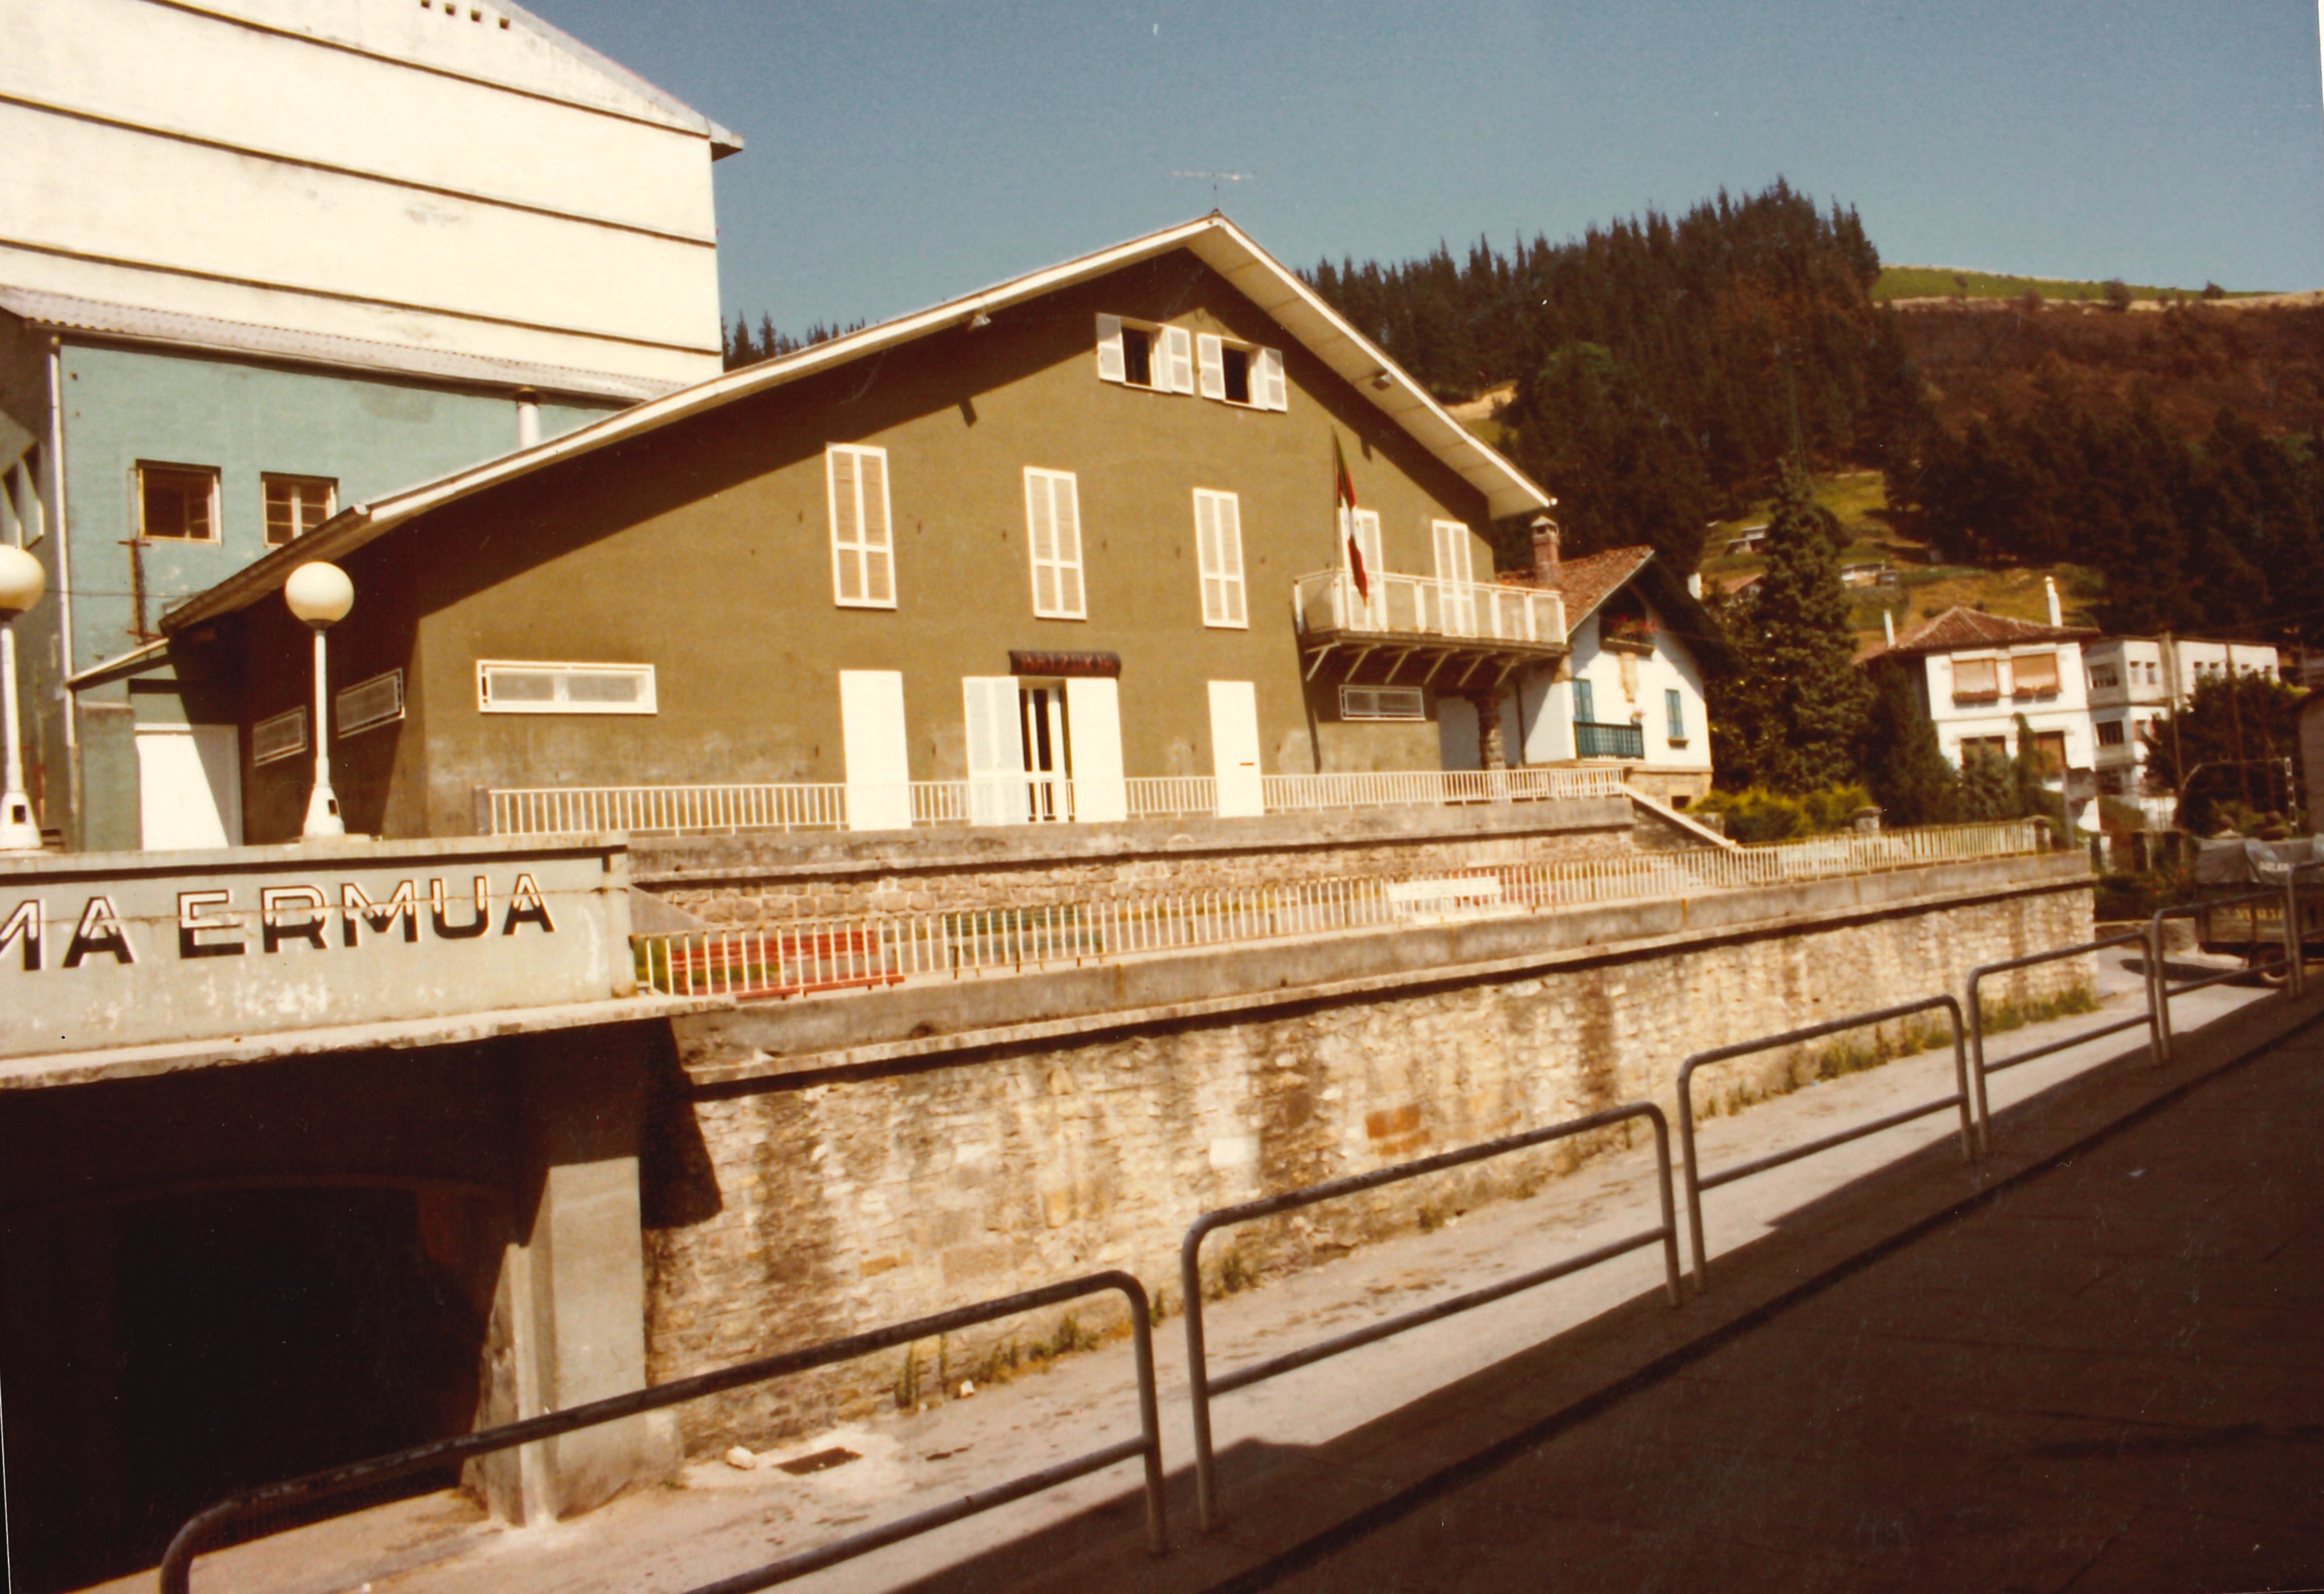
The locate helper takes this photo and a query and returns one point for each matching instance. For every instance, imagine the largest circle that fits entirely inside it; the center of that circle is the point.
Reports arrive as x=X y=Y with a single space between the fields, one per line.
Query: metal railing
x=811 y=956
x=1424 y=607
x=1697 y=1181
x=1004 y=800
x=207 y=1527
x=1202 y=1388
x=1599 y=740
x=1979 y=1067
x=2294 y=953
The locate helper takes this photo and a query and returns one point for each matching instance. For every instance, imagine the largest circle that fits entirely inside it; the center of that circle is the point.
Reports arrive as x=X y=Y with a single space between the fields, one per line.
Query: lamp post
x=21 y=582
x=321 y=595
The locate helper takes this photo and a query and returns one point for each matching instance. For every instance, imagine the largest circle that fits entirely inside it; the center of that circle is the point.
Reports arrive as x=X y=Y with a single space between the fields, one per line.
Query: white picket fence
x=810 y=956
x=702 y=810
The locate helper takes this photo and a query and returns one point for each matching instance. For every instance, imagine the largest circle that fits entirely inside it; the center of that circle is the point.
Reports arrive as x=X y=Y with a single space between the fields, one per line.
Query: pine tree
x=1898 y=752
x=1794 y=709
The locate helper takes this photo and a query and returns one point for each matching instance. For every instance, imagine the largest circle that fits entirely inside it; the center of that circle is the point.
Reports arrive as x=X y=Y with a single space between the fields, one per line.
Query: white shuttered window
x=862 y=553
x=1053 y=524
x=1218 y=548
x=1211 y=355
x=1176 y=359
x=1269 y=390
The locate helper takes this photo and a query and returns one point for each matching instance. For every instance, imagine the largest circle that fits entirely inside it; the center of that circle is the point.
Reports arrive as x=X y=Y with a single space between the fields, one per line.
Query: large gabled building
x=1037 y=553
x=263 y=259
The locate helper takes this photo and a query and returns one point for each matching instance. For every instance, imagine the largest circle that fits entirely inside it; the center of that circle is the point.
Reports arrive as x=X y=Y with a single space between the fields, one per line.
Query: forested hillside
x=1662 y=368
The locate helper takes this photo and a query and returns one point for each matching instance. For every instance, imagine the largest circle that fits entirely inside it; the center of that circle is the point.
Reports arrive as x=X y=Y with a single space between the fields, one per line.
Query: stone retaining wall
x=785 y=1208
x=764 y=879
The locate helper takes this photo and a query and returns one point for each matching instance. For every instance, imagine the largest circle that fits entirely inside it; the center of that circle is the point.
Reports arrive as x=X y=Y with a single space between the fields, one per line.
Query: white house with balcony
x=1629 y=695
x=2135 y=683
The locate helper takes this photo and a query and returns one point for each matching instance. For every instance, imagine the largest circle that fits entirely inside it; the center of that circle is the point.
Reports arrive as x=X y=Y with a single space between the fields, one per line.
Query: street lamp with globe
x=320 y=595
x=21 y=582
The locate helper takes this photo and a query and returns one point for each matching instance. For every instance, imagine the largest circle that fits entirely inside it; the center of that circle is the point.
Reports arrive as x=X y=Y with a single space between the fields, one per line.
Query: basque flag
x=1343 y=490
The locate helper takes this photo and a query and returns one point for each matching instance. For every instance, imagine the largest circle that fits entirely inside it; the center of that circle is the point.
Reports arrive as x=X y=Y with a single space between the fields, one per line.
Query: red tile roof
x=1588 y=581
x=1959 y=628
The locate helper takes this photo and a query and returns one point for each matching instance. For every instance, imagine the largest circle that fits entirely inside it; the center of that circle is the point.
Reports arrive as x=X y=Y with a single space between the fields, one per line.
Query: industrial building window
x=368 y=703
x=1053 y=521
x=1674 y=708
x=513 y=686
x=282 y=737
x=1381 y=702
x=297 y=505
x=177 y=503
x=863 y=553
x=2033 y=675
x=1160 y=359
x=2110 y=734
x=1218 y=548
x=1240 y=373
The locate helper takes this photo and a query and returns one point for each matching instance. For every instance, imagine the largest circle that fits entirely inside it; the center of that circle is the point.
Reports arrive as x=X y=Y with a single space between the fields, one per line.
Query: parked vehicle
x=2253 y=930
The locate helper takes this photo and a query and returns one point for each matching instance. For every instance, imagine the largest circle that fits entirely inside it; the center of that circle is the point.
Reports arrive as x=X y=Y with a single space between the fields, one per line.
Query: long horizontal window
x=518 y=686
x=1381 y=702
x=282 y=737
x=368 y=703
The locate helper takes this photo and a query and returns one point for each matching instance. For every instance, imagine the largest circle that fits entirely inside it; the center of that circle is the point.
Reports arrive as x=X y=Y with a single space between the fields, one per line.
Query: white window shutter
x=879 y=556
x=996 y=750
x=1069 y=545
x=1211 y=355
x=1041 y=522
x=1230 y=518
x=847 y=570
x=1272 y=395
x=1111 y=366
x=1178 y=347
x=1206 y=552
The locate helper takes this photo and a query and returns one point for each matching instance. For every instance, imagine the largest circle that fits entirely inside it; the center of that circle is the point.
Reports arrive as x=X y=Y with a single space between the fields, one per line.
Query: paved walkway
x=1498 y=1440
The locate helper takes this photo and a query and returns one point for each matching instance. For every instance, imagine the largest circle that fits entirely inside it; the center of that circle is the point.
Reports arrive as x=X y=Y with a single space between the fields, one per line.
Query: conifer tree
x=1898 y=752
x=1793 y=711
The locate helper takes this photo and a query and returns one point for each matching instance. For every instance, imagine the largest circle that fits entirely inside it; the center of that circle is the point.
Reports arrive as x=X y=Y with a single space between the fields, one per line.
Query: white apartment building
x=2135 y=682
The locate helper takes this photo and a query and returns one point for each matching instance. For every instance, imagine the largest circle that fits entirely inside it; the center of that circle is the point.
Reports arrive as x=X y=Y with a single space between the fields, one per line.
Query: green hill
x=1940 y=282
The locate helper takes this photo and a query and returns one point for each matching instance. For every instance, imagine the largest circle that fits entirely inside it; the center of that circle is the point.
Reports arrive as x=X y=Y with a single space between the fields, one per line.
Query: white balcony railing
x=806 y=957
x=1422 y=606
x=707 y=811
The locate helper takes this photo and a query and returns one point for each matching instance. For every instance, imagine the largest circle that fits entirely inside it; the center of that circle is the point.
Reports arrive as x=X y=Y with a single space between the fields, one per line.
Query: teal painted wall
x=373 y=433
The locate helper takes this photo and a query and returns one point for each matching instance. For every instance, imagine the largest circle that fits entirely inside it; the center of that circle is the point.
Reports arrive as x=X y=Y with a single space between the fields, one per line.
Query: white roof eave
x=1212 y=239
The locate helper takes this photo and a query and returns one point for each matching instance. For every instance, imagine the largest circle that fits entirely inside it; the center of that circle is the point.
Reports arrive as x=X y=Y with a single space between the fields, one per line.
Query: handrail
x=2294 y=952
x=1698 y=1181
x=1979 y=1068
x=205 y=1527
x=1203 y=1386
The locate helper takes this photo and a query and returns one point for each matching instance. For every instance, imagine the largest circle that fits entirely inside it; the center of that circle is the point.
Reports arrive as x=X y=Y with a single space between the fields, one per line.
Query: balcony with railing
x=1423 y=630
x=1596 y=739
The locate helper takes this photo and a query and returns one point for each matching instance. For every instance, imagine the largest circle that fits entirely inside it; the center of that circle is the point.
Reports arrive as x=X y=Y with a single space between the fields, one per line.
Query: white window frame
x=350 y=724
x=858 y=552
x=1383 y=702
x=1218 y=557
x=1170 y=357
x=266 y=481
x=289 y=719
x=645 y=703
x=218 y=532
x=1264 y=372
x=1069 y=578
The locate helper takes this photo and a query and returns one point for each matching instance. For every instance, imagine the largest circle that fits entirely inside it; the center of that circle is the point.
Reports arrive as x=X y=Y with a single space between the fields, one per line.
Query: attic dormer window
x=1160 y=359
x=1240 y=373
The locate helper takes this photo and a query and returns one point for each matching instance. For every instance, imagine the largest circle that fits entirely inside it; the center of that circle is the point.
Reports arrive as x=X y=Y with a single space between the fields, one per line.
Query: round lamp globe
x=320 y=594
x=21 y=581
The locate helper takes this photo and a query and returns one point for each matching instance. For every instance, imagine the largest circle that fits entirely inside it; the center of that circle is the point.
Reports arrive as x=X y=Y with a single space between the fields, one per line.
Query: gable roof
x=1212 y=239
x=1957 y=628
x=1592 y=579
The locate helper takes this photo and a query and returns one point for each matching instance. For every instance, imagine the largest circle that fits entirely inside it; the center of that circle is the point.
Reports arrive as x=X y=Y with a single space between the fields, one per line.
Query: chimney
x=2049 y=585
x=1544 y=551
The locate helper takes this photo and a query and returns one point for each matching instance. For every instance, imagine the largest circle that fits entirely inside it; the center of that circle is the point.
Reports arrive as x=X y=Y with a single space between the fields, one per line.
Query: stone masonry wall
x=750 y=881
x=786 y=1211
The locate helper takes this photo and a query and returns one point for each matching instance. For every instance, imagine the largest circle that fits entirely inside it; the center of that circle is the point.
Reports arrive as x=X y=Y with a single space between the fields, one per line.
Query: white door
x=1234 y=748
x=1093 y=709
x=879 y=757
x=1456 y=570
x=996 y=750
x=1042 y=709
x=189 y=786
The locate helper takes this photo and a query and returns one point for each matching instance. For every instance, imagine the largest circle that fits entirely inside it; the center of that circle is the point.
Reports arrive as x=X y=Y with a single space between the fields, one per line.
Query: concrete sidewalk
x=1331 y=1446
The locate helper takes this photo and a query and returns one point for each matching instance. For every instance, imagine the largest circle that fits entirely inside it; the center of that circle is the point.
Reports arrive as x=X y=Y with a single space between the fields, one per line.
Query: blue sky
x=899 y=153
